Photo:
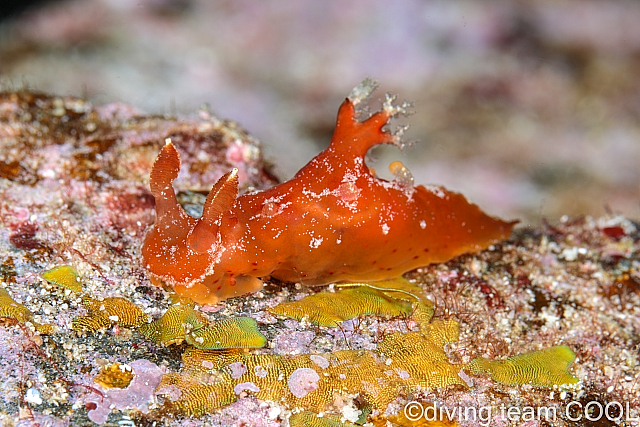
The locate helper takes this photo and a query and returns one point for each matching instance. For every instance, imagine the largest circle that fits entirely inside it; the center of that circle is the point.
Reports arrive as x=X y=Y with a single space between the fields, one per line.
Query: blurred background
x=531 y=108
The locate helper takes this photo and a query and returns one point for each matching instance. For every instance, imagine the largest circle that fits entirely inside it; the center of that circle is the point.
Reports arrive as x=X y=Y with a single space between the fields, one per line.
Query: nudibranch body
x=333 y=221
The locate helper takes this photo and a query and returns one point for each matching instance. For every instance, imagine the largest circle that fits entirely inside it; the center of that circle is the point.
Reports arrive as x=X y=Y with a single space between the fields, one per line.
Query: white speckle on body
x=385 y=229
x=437 y=191
x=315 y=242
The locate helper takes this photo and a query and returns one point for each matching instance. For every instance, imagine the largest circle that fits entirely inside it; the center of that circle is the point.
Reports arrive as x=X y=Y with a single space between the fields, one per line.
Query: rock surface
x=73 y=190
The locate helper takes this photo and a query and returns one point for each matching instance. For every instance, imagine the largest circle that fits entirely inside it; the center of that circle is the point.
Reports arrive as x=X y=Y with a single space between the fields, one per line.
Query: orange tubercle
x=333 y=221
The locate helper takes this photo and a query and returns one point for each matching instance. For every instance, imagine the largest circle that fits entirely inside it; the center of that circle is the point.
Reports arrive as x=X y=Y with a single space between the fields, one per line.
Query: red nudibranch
x=333 y=221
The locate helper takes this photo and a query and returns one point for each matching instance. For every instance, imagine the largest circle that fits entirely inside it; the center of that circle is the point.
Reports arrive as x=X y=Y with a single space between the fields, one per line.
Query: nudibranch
x=333 y=221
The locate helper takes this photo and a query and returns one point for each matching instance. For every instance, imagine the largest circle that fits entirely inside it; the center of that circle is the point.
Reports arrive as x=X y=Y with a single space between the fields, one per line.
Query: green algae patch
x=333 y=308
x=182 y=322
x=65 y=276
x=10 y=309
x=109 y=311
x=237 y=332
x=174 y=325
x=544 y=368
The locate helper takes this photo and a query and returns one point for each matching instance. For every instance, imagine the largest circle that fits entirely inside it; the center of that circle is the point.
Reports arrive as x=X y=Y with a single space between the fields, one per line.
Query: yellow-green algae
x=398 y=287
x=10 y=309
x=114 y=375
x=401 y=364
x=179 y=322
x=237 y=332
x=182 y=322
x=65 y=276
x=388 y=298
x=544 y=368
x=217 y=370
x=422 y=313
x=310 y=419
x=107 y=312
x=174 y=325
x=101 y=313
